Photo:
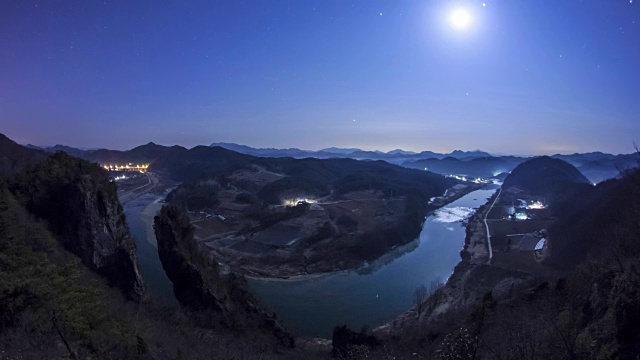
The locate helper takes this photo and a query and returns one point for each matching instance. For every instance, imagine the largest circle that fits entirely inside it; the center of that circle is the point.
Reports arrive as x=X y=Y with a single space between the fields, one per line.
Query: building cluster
x=476 y=180
x=297 y=201
x=127 y=167
x=520 y=211
x=532 y=241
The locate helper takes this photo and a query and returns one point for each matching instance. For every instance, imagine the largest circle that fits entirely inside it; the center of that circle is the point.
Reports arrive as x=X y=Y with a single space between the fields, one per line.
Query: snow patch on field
x=452 y=214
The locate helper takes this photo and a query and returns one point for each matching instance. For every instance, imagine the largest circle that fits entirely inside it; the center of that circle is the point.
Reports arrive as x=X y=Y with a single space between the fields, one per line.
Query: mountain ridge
x=596 y=166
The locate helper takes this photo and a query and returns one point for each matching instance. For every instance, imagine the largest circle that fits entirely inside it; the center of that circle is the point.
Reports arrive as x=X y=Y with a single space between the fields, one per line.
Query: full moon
x=460 y=18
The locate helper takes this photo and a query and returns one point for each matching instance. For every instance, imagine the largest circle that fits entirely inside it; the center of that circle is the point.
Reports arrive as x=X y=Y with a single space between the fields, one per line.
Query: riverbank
x=311 y=306
x=147 y=215
x=471 y=278
x=365 y=269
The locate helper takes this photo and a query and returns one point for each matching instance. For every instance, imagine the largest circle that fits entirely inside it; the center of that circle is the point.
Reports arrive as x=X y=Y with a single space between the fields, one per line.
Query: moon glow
x=460 y=18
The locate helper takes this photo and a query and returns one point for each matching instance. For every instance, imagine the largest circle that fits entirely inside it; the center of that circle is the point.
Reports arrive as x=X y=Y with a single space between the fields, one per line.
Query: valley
x=296 y=251
x=306 y=232
x=319 y=180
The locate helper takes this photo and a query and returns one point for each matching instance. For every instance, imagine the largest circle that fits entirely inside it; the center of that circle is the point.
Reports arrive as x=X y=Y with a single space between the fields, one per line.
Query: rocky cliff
x=213 y=299
x=81 y=207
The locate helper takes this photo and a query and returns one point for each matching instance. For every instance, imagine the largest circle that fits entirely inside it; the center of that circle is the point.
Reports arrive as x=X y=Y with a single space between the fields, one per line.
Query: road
x=128 y=195
x=487 y=226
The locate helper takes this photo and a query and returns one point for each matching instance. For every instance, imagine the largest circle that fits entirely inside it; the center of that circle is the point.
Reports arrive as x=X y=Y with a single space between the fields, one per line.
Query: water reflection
x=379 y=292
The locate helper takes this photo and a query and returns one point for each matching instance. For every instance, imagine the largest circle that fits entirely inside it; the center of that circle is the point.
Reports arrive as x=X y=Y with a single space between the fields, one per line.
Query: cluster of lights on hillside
x=298 y=201
x=537 y=205
x=128 y=167
x=464 y=178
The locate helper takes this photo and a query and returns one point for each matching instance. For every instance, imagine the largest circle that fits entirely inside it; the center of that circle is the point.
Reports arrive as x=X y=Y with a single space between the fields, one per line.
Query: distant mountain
x=400 y=152
x=271 y=152
x=394 y=156
x=69 y=150
x=335 y=150
x=14 y=157
x=545 y=176
x=244 y=149
x=459 y=154
x=591 y=156
x=484 y=167
x=598 y=166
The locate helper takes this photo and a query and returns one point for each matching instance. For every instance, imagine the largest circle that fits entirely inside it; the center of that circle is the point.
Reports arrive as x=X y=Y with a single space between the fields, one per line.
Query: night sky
x=520 y=77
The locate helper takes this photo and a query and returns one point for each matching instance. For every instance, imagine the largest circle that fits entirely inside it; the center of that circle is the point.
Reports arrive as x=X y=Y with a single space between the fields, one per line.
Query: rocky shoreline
x=147 y=215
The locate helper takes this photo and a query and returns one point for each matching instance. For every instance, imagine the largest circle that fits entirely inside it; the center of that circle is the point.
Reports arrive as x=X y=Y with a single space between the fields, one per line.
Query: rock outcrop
x=81 y=207
x=344 y=339
x=213 y=300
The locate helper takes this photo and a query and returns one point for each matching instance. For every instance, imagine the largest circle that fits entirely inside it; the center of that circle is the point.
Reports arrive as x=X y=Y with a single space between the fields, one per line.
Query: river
x=149 y=265
x=313 y=306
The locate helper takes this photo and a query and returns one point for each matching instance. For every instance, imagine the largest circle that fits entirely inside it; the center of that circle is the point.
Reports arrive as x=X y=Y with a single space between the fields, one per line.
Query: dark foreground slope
x=64 y=252
x=214 y=300
x=601 y=221
x=591 y=308
x=80 y=204
x=51 y=306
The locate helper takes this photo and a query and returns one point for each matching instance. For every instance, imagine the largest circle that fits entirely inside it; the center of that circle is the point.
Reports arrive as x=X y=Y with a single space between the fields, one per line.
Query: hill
x=545 y=176
x=14 y=157
x=285 y=216
x=598 y=221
